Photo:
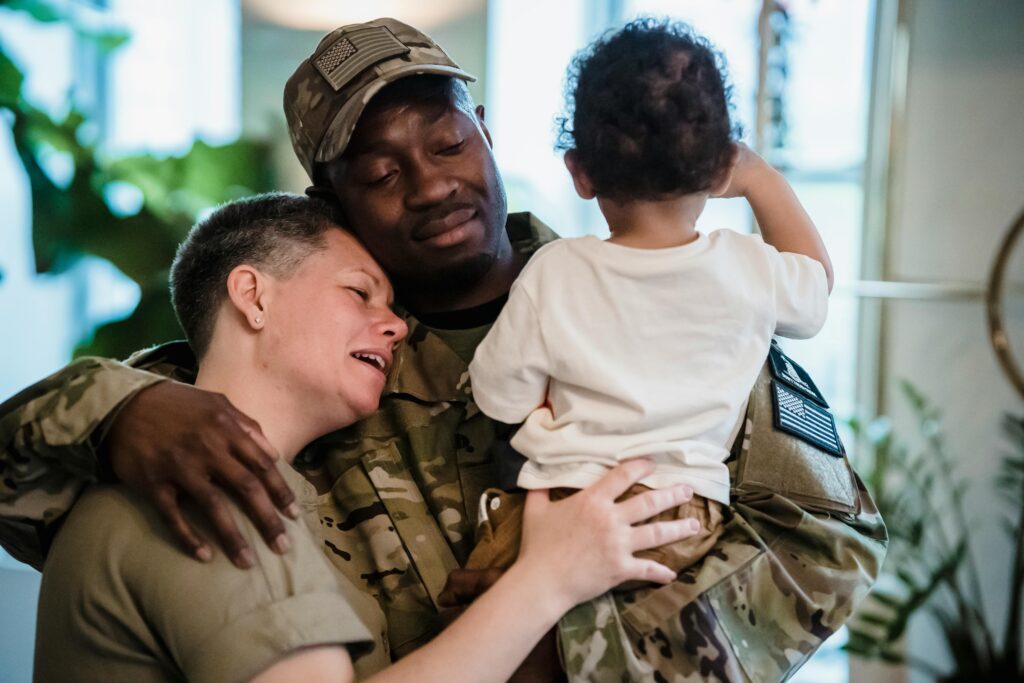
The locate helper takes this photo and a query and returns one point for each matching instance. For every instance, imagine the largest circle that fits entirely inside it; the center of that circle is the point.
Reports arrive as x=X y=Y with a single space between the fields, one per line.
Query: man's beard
x=462 y=276
x=454 y=278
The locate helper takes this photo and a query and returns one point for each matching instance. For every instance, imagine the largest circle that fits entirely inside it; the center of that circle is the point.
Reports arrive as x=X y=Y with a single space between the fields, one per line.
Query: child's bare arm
x=784 y=223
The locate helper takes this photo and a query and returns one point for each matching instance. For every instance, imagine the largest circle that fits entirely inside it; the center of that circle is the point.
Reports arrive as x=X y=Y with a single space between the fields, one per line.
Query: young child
x=648 y=343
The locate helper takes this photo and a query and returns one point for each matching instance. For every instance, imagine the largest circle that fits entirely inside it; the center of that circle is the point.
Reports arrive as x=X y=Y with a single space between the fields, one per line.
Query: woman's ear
x=247 y=292
x=579 y=178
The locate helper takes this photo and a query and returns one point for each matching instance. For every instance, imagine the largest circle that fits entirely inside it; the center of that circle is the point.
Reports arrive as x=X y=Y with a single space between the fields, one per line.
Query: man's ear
x=579 y=178
x=329 y=178
x=247 y=290
x=479 y=111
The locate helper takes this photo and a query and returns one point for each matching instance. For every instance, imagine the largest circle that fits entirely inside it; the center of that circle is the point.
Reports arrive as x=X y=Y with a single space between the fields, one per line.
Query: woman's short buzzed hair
x=274 y=232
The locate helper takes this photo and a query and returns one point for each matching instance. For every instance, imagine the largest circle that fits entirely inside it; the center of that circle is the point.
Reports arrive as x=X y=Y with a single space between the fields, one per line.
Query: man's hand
x=173 y=440
x=464 y=586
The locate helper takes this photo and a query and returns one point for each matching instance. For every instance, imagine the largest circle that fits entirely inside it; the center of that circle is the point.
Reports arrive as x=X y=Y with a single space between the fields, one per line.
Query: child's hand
x=583 y=545
x=781 y=218
x=743 y=173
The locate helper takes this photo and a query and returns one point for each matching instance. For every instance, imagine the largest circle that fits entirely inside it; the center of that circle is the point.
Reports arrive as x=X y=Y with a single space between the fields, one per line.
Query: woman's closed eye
x=360 y=292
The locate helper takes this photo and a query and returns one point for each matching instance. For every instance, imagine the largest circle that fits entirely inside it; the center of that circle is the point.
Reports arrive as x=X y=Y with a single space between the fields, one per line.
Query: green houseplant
x=930 y=571
x=72 y=217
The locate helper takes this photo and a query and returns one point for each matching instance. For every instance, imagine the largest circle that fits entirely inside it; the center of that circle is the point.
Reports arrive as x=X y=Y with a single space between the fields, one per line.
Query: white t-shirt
x=608 y=352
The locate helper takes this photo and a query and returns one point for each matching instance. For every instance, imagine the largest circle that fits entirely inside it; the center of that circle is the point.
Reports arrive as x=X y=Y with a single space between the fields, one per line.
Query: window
x=818 y=138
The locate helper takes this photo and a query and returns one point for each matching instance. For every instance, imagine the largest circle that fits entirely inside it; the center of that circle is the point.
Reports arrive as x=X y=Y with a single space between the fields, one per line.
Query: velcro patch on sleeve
x=785 y=370
x=805 y=419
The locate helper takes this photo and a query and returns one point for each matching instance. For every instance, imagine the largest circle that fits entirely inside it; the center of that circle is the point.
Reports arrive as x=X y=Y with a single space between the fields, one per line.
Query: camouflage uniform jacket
x=398 y=501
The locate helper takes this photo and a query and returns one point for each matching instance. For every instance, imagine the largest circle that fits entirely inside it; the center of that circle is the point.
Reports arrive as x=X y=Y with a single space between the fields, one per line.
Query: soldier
x=290 y=318
x=382 y=122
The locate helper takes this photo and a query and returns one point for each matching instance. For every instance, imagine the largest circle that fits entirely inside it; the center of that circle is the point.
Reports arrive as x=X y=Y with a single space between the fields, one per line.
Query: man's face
x=420 y=188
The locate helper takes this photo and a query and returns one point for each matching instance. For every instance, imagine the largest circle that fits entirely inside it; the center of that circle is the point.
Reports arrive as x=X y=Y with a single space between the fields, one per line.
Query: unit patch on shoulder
x=803 y=418
x=785 y=370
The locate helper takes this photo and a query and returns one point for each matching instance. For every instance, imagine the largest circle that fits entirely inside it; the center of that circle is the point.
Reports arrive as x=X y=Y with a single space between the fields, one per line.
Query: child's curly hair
x=648 y=112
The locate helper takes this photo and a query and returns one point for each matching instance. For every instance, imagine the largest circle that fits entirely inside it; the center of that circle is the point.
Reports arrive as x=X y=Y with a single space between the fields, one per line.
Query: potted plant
x=930 y=570
x=73 y=216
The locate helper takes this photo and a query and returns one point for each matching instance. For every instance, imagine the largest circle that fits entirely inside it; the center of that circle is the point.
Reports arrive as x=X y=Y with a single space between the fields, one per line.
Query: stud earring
x=258 y=321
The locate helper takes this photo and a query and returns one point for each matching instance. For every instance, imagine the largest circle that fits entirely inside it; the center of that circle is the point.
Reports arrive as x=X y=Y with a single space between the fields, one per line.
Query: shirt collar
x=424 y=366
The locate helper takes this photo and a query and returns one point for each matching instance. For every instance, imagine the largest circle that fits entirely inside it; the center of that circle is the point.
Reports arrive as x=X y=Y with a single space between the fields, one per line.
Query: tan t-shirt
x=120 y=602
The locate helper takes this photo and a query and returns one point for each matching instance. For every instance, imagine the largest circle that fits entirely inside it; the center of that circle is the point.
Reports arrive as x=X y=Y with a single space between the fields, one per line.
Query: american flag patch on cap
x=355 y=51
x=806 y=420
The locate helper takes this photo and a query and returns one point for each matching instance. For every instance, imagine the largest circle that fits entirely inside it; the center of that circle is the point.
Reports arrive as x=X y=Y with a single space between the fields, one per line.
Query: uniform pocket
x=737 y=546
x=773 y=589
x=773 y=610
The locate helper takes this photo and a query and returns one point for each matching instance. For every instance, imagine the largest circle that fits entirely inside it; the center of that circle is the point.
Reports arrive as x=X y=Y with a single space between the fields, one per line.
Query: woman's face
x=330 y=332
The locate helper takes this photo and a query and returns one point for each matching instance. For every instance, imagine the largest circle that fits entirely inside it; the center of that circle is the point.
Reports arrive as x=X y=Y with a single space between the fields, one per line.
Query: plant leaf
x=11 y=80
x=41 y=11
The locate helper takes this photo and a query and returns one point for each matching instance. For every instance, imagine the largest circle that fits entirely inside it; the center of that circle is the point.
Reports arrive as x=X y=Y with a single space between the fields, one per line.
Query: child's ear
x=579 y=179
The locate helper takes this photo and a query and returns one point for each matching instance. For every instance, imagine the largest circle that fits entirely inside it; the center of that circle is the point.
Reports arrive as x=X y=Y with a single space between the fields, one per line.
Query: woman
x=290 y=319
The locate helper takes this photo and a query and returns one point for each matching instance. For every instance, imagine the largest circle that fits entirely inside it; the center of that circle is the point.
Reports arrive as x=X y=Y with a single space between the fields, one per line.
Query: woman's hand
x=579 y=547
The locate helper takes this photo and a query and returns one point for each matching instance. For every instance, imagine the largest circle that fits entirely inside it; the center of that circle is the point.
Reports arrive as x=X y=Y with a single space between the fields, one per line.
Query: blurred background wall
x=897 y=121
x=957 y=183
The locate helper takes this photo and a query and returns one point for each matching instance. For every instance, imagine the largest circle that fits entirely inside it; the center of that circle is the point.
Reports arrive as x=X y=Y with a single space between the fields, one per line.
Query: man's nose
x=430 y=184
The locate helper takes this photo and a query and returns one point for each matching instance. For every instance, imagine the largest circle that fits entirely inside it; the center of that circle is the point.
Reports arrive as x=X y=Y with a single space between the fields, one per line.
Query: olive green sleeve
x=49 y=435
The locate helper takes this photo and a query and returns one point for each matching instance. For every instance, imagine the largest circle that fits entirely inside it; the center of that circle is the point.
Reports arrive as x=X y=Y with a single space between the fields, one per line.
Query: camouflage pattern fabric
x=779 y=581
x=777 y=584
x=405 y=483
x=49 y=433
x=398 y=502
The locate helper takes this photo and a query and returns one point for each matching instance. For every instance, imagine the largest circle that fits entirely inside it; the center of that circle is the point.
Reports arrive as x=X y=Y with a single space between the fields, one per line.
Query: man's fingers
x=255 y=432
x=256 y=458
x=661 y=533
x=451 y=594
x=650 y=503
x=447 y=598
x=465 y=585
x=618 y=480
x=487 y=578
x=214 y=505
x=449 y=614
x=252 y=496
x=166 y=501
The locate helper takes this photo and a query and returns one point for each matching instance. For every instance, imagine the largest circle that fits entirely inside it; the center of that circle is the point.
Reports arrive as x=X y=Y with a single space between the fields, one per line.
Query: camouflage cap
x=328 y=92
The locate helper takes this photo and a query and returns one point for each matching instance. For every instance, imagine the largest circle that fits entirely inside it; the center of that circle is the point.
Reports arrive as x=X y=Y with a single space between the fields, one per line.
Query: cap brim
x=334 y=145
